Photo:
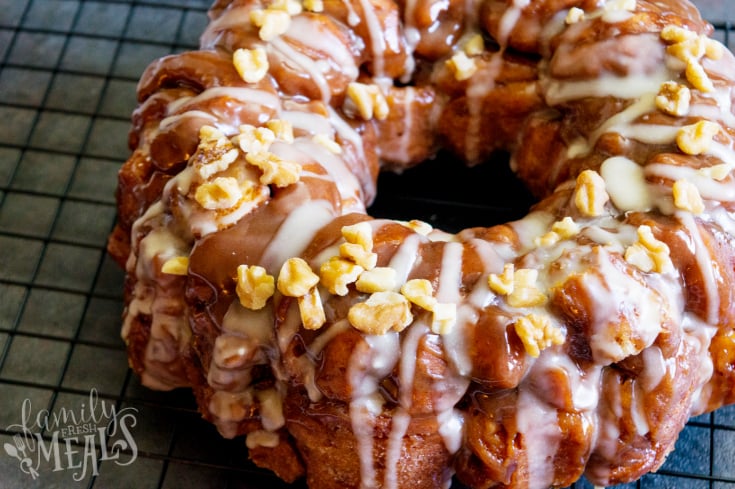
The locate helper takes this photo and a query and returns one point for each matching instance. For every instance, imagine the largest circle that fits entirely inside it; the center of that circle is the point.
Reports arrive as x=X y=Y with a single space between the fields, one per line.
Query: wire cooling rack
x=68 y=70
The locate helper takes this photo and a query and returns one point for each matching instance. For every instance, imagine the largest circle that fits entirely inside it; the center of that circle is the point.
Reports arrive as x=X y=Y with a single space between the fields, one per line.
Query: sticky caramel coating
x=524 y=355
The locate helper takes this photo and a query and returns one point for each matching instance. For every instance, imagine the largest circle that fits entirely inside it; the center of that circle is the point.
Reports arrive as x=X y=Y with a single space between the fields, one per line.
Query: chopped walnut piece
x=251 y=64
x=689 y=47
x=214 y=154
x=314 y=5
x=337 y=273
x=590 y=195
x=215 y=165
x=673 y=99
x=262 y=438
x=292 y=7
x=698 y=77
x=382 y=312
x=254 y=286
x=220 y=193
x=369 y=100
x=574 y=15
x=462 y=66
x=421 y=227
x=358 y=254
x=696 y=139
x=502 y=284
x=443 y=318
x=565 y=228
x=276 y=171
x=296 y=278
x=615 y=5
x=329 y=143
x=360 y=233
x=209 y=135
x=378 y=279
x=312 y=309
x=649 y=254
x=178 y=265
x=525 y=291
x=474 y=46
x=674 y=33
x=717 y=172
x=420 y=292
x=638 y=256
x=687 y=197
x=282 y=129
x=255 y=139
x=548 y=239
x=272 y=22
x=537 y=333
x=560 y=230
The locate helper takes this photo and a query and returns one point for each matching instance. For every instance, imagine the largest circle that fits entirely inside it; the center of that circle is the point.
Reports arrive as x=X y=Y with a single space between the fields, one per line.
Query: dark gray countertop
x=68 y=70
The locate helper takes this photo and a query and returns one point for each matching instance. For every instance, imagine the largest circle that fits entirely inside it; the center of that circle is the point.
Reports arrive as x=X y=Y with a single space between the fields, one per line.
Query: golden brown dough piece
x=361 y=352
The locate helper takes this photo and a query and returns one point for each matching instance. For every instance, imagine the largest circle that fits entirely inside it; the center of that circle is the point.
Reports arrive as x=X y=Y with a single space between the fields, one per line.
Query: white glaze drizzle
x=535 y=418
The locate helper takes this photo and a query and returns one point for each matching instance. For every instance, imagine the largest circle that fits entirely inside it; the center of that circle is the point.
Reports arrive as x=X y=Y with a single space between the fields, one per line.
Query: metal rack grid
x=68 y=70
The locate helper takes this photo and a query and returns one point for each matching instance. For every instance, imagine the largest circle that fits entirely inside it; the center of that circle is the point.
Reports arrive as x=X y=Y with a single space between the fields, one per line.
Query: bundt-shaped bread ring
x=362 y=352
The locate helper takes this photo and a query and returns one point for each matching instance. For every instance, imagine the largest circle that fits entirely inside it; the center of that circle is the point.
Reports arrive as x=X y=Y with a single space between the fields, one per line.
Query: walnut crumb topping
x=687 y=197
x=380 y=313
x=337 y=273
x=462 y=66
x=419 y=292
x=282 y=129
x=617 y=5
x=359 y=255
x=673 y=99
x=379 y=279
x=420 y=227
x=311 y=309
x=502 y=284
x=254 y=286
x=369 y=100
x=519 y=286
x=590 y=195
x=272 y=22
x=360 y=234
x=574 y=15
x=537 y=333
x=648 y=253
x=443 y=318
x=296 y=278
x=251 y=64
x=220 y=193
x=359 y=245
x=276 y=171
x=215 y=152
x=560 y=230
x=178 y=265
x=474 y=46
x=525 y=290
x=314 y=5
x=690 y=48
x=255 y=139
x=696 y=139
x=292 y=7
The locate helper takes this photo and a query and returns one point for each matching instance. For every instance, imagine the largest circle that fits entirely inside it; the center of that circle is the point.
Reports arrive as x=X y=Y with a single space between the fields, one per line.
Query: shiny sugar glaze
x=624 y=271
